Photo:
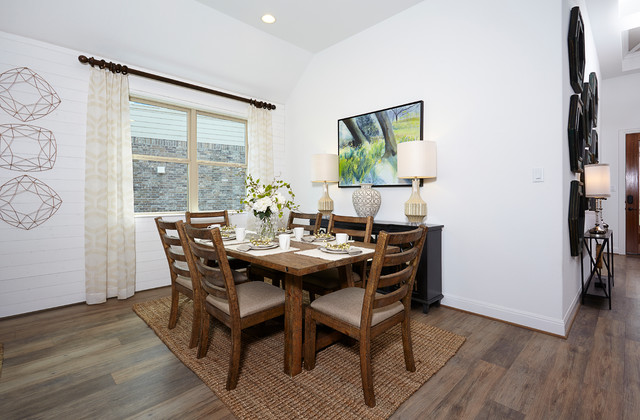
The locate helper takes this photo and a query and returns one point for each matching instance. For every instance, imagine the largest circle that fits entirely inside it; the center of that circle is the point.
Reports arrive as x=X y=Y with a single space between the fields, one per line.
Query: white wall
x=620 y=105
x=571 y=274
x=44 y=267
x=490 y=76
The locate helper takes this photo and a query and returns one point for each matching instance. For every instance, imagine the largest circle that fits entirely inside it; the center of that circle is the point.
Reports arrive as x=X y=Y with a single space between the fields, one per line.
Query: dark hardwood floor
x=104 y=362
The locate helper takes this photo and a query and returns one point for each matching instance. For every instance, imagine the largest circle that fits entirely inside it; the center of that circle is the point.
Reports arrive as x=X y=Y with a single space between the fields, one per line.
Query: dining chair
x=309 y=222
x=238 y=306
x=326 y=281
x=364 y=314
x=180 y=275
x=203 y=219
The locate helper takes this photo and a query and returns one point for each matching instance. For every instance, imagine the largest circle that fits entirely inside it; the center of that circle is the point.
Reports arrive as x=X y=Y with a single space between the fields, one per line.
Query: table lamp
x=597 y=184
x=324 y=168
x=416 y=160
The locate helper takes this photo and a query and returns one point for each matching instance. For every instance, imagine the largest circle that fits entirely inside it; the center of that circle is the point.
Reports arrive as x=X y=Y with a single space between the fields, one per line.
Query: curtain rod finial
x=83 y=59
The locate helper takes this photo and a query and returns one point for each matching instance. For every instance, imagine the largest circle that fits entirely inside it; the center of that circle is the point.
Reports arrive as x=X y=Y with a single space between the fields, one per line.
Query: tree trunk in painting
x=356 y=133
x=390 y=146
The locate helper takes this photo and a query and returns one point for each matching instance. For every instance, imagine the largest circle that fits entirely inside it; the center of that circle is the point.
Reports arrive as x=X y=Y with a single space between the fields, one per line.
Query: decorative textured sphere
x=366 y=201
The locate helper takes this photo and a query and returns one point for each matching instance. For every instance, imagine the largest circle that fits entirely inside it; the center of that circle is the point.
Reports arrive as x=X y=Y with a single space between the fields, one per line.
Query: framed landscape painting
x=368 y=144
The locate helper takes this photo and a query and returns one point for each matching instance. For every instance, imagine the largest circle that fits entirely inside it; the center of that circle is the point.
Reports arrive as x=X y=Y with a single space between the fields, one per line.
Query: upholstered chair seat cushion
x=346 y=305
x=253 y=297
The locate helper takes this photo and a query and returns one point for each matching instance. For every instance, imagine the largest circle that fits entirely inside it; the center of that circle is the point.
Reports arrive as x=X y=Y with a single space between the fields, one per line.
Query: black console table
x=427 y=288
x=598 y=247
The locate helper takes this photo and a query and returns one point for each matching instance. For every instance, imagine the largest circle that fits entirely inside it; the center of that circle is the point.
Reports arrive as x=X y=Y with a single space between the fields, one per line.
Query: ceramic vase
x=366 y=201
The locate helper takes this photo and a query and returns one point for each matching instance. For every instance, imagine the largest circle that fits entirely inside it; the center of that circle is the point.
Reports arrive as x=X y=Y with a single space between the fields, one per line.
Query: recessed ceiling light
x=268 y=18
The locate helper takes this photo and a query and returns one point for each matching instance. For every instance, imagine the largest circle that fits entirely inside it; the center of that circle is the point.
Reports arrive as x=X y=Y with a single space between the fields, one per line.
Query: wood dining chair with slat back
x=363 y=314
x=180 y=275
x=358 y=228
x=203 y=219
x=309 y=222
x=238 y=306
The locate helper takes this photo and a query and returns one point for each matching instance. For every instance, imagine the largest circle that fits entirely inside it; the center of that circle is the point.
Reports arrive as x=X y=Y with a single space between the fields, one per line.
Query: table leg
x=293 y=325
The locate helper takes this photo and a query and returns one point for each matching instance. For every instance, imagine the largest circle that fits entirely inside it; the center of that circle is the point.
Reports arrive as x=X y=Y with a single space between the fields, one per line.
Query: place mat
x=333 y=390
x=332 y=257
x=262 y=252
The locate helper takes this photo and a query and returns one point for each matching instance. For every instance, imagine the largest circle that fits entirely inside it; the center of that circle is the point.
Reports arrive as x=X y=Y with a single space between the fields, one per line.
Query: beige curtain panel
x=260 y=144
x=110 y=266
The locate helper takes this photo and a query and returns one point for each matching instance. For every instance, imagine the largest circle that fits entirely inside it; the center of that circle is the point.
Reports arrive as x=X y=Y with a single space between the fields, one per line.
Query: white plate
x=334 y=251
x=327 y=238
x=259 y=247
x=228 y=238
x=288 y=231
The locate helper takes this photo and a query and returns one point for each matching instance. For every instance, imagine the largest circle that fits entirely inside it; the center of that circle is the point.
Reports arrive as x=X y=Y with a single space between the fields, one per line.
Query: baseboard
x=554 y=326
x=571 y=313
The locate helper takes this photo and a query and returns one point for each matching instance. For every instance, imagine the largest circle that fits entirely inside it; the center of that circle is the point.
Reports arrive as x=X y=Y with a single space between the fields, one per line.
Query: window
x=186 y=159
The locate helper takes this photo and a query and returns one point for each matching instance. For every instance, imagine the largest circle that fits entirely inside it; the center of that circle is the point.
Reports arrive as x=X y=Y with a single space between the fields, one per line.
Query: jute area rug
x=332 y=390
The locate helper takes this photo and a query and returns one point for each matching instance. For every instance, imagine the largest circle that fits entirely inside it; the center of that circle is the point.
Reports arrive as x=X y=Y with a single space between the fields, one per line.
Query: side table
x=598 y=247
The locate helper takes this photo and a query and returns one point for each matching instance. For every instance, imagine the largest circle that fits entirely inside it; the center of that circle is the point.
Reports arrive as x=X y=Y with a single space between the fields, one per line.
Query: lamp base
x=325 y=204
x=415 y=208
x=598 y=230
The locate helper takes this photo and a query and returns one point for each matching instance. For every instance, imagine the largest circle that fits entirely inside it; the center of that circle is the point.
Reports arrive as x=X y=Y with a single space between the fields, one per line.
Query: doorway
x=632 y=153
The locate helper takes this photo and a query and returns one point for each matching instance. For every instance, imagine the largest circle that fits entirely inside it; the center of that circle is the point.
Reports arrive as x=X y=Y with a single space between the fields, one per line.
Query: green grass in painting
x=407 y=129
x=358 y=165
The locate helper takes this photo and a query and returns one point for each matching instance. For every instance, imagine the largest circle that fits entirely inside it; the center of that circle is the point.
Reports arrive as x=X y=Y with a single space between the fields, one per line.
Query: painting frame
x=367 y=144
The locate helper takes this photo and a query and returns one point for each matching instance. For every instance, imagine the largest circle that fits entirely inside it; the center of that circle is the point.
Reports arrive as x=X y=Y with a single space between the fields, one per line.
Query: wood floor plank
x=467 y=398
x=631 y=380
x=605 y=367
x=527 y=372
x=102 y=361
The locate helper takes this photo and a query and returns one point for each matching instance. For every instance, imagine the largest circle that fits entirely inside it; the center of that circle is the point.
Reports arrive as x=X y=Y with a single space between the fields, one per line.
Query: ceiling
x=309 y=24
x=315 y=26
x=611 y=43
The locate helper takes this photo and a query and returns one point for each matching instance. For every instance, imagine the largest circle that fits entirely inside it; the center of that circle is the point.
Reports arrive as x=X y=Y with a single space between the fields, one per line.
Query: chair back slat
x=177 y=254
x=362 y=233
x=181 y=270
x=313 y=221
x=403 y=266
x=391 y=297
x=399 y=258
x=172 y=246
x=397 y=277
x=203 y=219
x=216 y=280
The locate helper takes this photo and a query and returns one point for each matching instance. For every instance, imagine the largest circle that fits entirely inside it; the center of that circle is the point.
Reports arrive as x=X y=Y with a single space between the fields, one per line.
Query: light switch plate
x=538 y=174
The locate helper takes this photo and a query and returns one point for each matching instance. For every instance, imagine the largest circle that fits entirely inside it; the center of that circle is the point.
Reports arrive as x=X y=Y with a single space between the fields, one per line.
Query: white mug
x=285 y=241
x=240 y=233
x=298 y=232
x=341 y=238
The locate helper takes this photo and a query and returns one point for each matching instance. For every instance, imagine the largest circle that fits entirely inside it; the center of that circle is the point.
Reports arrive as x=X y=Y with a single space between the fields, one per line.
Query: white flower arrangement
x=266 y=199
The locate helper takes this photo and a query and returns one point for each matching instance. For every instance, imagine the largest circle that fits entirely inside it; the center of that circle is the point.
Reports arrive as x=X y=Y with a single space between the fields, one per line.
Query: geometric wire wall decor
x=25 y=95
x=26 y=202
x=26 y=148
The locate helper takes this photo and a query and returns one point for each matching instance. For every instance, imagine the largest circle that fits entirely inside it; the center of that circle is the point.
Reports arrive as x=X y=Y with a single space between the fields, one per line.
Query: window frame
x=191 y=160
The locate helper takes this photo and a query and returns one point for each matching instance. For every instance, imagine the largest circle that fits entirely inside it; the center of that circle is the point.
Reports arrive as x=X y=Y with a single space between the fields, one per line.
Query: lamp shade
x=597 y=180
x=324 y=168
x=417 y=159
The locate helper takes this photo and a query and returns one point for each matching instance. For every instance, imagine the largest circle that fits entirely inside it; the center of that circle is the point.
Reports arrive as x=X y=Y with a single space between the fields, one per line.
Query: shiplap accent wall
x=44 y=267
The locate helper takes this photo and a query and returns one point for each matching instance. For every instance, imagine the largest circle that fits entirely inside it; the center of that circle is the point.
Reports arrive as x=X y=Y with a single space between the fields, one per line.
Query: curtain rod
x=119 y=68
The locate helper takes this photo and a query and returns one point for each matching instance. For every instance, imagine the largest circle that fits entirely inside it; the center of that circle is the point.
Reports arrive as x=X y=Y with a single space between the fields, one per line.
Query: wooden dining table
x=295 y=266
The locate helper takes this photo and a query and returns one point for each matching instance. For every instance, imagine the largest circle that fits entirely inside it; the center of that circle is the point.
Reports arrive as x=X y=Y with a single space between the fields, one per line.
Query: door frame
x=620 y=246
